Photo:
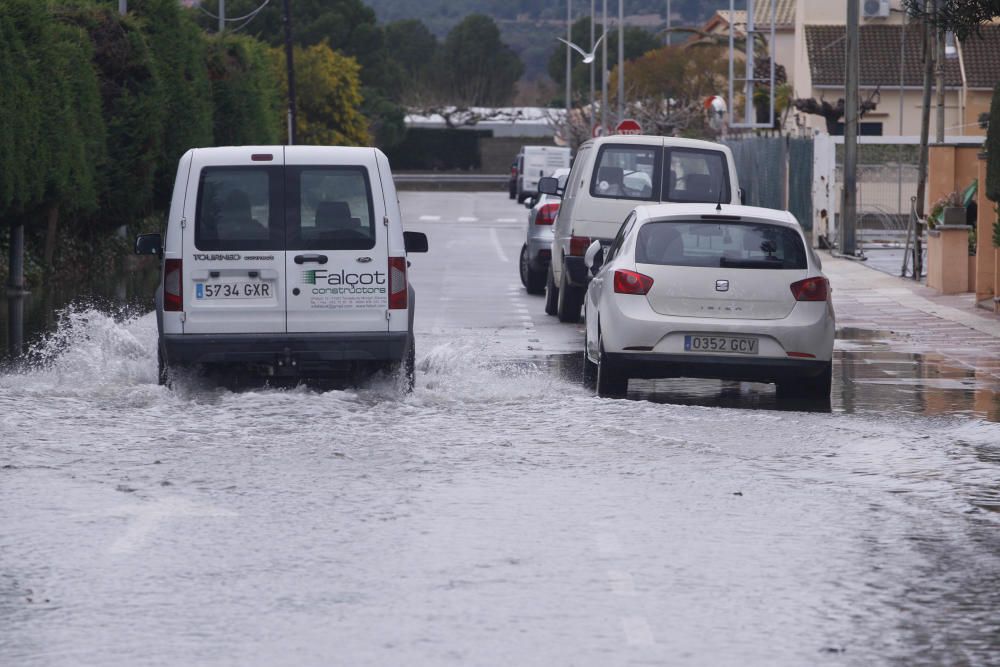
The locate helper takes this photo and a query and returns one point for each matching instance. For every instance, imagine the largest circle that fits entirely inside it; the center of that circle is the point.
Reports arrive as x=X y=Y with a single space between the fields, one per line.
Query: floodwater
x=500 y=514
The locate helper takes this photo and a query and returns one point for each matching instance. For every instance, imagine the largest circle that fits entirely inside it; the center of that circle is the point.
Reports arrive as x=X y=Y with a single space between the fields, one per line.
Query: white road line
x=148 y=518
x=622 y=583
x=637 y=631
x=506 y=219
x=466 y=218
x=499 y=248
x=429 y=218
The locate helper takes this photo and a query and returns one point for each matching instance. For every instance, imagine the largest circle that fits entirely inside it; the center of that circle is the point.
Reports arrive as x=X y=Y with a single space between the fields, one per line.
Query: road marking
x=148 y=518
x=506 y=219
x=466 y=218
x=499 y=248
x=429 y=218
x=637 y=631
x=622 y=583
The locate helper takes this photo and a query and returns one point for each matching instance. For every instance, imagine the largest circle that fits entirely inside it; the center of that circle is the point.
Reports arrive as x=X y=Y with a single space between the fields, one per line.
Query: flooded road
x=501 y=513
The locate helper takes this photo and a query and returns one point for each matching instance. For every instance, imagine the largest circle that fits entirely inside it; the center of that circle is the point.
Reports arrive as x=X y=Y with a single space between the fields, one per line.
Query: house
x=891 y=69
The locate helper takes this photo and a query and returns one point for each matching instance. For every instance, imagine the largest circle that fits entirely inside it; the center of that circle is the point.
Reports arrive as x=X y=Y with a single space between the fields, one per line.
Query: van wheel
x=161 y=370
x=551 y=294
x=533 y=281
x=570 y=301
x=610 y=381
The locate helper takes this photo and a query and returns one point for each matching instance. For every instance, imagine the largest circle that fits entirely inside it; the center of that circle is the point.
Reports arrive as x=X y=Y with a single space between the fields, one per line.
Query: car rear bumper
x=721 y=367
x=298 y=350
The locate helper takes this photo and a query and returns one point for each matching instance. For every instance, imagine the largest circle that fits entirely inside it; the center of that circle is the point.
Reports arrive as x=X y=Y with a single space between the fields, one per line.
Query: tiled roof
x=784 y=14
x=880 y=55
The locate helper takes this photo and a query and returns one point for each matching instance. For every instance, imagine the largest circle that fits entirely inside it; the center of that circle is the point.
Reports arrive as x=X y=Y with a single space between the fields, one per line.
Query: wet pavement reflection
x=869 y=377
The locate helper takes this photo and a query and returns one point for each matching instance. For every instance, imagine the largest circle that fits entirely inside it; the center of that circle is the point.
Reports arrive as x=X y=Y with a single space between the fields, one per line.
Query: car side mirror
x=594 y=259
x=415 y=241
x=530 y=202
x=149 y=244
x=743 y=196
x=549 y=185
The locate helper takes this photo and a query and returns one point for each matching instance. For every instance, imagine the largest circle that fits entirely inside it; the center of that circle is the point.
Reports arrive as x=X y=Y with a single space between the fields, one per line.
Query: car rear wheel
x=551 y=294
x=570 y=301
x=533 y=281
x=810 y=388
x=610 y=380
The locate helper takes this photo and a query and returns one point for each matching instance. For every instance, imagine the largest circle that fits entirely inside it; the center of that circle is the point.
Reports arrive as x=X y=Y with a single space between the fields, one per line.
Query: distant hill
x=531 y=27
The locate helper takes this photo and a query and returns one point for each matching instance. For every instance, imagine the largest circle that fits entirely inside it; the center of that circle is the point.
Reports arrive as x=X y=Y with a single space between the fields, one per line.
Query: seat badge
x=721 y=285
x=364 y=260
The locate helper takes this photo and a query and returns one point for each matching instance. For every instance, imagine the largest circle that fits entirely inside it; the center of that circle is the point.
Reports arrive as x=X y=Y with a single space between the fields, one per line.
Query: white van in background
x=285 y=261
x=534 y=162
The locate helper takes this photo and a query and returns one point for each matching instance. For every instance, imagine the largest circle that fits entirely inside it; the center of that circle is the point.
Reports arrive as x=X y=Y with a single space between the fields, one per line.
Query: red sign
x=628 y=126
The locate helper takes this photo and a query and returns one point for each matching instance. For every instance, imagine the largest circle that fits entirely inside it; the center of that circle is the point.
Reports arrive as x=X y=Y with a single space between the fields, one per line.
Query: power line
x=238 y=18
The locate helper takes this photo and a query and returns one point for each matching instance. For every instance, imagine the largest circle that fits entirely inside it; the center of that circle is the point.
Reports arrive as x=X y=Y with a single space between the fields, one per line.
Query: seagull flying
x=587 y=57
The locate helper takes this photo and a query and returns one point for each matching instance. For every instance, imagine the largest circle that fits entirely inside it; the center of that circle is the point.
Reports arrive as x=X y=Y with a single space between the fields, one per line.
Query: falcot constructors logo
x=345 y=283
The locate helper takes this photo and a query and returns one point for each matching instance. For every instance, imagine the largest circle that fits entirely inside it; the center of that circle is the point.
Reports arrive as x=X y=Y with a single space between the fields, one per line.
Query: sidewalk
x=915 y=318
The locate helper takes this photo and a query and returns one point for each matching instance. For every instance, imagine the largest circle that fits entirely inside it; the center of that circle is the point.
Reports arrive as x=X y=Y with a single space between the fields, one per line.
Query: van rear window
x=239 y=208
x=695 y=175
x=332 y=208
x=729 y=245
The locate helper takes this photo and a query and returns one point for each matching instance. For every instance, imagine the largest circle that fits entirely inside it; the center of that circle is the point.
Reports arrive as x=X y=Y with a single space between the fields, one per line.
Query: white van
x=285 y=261
x=610 y=177
x=533 y=163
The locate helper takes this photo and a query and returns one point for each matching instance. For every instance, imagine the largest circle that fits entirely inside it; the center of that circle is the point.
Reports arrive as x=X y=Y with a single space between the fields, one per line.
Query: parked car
x=533 y=163
x=709 y=291
x=537 y=249
x=512 y=181
x=610 y=176
x=285 y=261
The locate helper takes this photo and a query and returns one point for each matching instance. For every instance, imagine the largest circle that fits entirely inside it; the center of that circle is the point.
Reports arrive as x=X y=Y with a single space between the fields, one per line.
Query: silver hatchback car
x=536 y=253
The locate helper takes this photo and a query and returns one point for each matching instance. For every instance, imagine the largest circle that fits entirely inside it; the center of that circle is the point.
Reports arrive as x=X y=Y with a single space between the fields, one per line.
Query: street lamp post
x=621 y=60
x=604 y=66
x=593 y=25
x=290 y=62
x=569 y=64
x=222 y=16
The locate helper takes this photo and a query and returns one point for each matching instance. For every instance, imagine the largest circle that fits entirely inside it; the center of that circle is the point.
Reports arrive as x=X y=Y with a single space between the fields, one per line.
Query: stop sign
x=628 y=126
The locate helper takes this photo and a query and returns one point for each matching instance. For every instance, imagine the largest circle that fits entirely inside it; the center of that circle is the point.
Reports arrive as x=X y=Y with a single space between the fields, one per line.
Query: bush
x=245 y=92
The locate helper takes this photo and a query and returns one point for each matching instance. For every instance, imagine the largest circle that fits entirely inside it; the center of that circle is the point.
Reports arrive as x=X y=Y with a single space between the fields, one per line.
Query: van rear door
x=337 y=239
x=233 y=237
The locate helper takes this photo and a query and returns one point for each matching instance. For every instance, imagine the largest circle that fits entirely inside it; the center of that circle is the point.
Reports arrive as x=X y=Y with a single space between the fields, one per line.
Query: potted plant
x=948 y=210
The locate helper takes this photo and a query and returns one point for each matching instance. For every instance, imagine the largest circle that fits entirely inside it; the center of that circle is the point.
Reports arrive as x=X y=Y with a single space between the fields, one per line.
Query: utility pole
x=670 y=35
x=939 y=85
x=222 y=16
x=593 y=26
x=569 y=63
x=621 y=60
x=849 y=210
x=289 y=60
x=925 y=125
x=604 y=67
x=122 y=7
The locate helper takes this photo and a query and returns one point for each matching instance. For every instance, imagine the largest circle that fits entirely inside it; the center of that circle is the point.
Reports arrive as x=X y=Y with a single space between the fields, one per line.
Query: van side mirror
x=743 y=196
x=548 y=185
x=530 y=202
x=594 y=259
x=149 y=244
x=415 y=241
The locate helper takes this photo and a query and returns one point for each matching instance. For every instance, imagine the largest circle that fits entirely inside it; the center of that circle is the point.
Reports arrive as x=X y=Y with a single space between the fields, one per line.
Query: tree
x=962 y=17
x=329 y=96
x=415 y=51
x=637 y=42
x=477 y=68
x=247 y=107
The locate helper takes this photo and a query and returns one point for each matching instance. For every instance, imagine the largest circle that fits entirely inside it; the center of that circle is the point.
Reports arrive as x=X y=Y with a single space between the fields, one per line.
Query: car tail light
x=578 y=245
x=397 y=283
x=811 y=289
x=630 y=282
x=173 y=286
x=547 y=214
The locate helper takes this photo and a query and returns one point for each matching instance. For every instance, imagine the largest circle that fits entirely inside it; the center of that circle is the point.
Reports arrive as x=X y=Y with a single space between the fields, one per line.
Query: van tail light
x=397 y=283
x=173 y=286
x=630 y=282
x=811 y=289
x=578 y=245
x=547 y=214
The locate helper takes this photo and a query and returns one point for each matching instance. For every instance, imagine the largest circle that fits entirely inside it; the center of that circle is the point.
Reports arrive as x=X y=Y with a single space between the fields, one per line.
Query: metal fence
x=776 y=172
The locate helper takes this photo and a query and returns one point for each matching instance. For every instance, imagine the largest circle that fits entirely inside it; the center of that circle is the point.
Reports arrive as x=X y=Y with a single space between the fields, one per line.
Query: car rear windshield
x=626 y=171
x=294 y=208
x=696 y=175
x=332 y=209
x=239 y=208
x=731 y=245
